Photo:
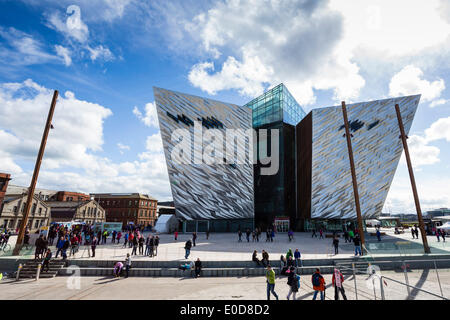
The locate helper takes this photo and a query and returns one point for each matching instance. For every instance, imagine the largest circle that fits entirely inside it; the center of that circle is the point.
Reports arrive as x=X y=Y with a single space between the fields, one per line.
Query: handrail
x=416 y=288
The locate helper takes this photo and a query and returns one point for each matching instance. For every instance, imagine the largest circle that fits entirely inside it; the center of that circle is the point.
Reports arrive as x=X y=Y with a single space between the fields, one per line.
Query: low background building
x=86 y=211
x=13 y=208
x=136 y=208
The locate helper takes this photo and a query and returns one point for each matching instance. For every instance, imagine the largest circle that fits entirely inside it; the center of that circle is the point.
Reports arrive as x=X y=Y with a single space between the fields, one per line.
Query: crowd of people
x=317 y=281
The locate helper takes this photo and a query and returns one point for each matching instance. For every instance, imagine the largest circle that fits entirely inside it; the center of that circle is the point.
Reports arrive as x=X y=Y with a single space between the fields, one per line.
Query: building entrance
x=282 y=224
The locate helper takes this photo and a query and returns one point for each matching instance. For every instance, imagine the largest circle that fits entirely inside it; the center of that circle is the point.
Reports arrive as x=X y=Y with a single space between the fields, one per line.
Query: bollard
x=406 y=279
x=382 y=288
x=38 y=271
x=18 y=272
x=354 y=280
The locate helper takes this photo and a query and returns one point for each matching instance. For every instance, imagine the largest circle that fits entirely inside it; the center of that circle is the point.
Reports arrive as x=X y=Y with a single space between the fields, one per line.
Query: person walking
x=135 y=245
x=357 y=242
x=59 y=246
x=176 y=235
x=127 y=265
x=187 y=248
x=336 y=245
x=293 y=283
x=416 y=231
x=247 y=233
x=290 y=235
x=314 y=234
x=318 y=283
x=119 y=235
x=240 y=235
x=207 y=234
x=65 y=246
x=125 y=240
x=151 y=244
x=155 y=246
x=268 y=235
x=378 y=234
x=194 y=237
x=413 y=233
x=321 y=233
x=46 y=262
x=94 y=246
x=272 y=234
x=338 y=280
x=141 y=245
x=114 y=234
x=270 y=279
x=437 y=233
x=346 y=237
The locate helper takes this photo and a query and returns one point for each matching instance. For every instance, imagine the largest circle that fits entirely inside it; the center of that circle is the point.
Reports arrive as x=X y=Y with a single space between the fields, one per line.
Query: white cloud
x=71 y=159
x=65 y=54
x=439 y=102
x=392 y=28
x=422 y=153
x=247 y=77
x=410 y=81
x=291 y=42
x=21 y=49
x=100 y=52
x=440 y=129
x=73 y=27
x=150 y=119
x=122 y=147
x=154 y=143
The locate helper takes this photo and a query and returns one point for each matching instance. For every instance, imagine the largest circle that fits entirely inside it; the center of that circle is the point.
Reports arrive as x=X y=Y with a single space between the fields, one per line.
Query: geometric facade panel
x=205 y=191
x=376 y=151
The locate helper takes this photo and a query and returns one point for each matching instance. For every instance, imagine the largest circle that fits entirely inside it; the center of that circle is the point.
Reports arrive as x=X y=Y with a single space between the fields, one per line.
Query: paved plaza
x=243 y=288
x=225 y=247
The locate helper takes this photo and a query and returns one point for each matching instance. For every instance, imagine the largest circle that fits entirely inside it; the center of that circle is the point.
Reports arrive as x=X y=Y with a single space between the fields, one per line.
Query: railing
x=379 y=281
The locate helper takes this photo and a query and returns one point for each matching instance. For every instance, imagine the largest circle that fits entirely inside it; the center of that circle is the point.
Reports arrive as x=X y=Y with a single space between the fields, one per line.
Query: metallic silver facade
x=376 y=148
x=202 y=191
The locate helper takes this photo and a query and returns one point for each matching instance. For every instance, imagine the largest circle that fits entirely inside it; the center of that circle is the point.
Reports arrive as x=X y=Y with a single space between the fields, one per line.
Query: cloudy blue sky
x=104 y=56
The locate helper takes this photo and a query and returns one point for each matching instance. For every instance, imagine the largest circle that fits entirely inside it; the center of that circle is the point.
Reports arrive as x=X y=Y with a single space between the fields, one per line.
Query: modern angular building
x=217 y=196
x=312 y=183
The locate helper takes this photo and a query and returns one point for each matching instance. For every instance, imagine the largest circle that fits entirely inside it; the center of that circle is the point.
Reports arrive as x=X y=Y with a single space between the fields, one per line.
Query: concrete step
x=175 y=272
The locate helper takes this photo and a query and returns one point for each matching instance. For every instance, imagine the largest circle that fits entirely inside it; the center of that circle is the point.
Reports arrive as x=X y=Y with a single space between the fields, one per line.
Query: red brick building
x=4 y=179
x=136 y=208
x=71 y=196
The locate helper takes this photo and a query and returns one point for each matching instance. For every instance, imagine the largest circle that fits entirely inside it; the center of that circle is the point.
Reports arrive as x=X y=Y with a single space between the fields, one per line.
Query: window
x=15 y=209
x=40 y=210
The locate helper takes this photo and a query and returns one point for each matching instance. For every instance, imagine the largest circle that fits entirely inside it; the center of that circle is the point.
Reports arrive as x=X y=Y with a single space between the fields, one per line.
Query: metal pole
x=354 y=280
x=439 y=280
x=413 y=181
x=37 y=166
x=353 y=172
x=406 y=279
x=382 y=288
x=38 y=271
x=18 y=271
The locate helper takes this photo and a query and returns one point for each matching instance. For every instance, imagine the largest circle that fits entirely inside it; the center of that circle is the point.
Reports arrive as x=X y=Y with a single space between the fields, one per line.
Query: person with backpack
x=187 y=248
x=318 y=283
x=270 y=279
x=293 y=283
x=338 y=280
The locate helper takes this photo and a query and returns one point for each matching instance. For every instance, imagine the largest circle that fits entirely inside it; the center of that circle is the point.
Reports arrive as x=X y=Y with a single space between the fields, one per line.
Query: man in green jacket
x=270 y=276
